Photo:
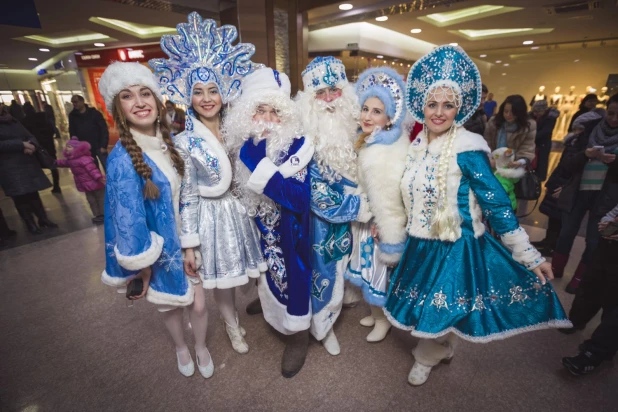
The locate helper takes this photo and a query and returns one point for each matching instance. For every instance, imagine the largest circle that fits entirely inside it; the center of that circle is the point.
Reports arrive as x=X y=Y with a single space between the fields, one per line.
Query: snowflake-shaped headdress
x=201 y=52
x=444 y=67
x=388 y=86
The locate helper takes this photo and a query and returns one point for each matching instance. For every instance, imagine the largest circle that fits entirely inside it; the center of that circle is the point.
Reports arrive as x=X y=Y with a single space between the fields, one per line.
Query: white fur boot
x=427 y=354
x=381 y=325
x=331 y=344
x=236 y=338
x=351 y=295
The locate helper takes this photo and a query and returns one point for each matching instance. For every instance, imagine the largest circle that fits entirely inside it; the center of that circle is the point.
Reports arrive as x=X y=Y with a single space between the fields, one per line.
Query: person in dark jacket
x=43 y=131
x=89 y=126
x=589 y=102
x=51 y=118
x=478 y=121
x=16 y=110
x=21 y=176
x=545 y=118
x=589 y=170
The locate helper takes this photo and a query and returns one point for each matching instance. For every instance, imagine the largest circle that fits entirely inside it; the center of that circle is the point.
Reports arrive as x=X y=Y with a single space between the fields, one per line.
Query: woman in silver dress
x=220 y=241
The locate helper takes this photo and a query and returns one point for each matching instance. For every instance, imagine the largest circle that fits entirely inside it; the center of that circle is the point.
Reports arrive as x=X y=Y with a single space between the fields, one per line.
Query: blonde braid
x=445 y=222
x=151 y=191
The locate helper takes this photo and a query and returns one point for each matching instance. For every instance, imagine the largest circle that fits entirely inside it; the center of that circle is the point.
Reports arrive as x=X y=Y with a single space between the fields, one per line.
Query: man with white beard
x=329 y=109
x=262 y=132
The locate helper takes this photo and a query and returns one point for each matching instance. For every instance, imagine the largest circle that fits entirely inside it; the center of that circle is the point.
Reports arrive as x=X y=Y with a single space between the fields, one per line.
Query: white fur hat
x=265 y=82
x=119 y=76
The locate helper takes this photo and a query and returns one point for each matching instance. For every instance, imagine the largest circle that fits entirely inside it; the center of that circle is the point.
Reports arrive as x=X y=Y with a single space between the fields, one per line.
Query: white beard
x=332 y=129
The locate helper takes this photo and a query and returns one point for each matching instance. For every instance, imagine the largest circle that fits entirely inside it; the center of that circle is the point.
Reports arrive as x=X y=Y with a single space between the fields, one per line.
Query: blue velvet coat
x=140 y=232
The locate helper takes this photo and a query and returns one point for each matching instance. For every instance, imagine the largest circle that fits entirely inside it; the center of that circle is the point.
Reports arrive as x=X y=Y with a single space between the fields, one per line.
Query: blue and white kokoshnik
x=444 y=66
x=203 y=53
x=324 y=72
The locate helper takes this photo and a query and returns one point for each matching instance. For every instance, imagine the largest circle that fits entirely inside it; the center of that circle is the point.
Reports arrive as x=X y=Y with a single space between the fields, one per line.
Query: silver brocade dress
x=213 y=221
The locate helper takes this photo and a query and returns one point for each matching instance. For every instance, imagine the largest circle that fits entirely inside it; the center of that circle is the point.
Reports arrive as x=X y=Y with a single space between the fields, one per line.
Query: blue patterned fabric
x=129 y=221
x=324 y=72
x=285 y=239
x=471 y=287
x=331 y=211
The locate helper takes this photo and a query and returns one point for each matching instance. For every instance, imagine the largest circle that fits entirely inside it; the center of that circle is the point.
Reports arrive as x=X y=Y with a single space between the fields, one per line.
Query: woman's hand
x=544 y=272
x=603 y=225
x=593 y=153
x=29 y=148
x=145 y=274
x=189 y=263
x=556 y=193
x=607 y=158
x=375 y=233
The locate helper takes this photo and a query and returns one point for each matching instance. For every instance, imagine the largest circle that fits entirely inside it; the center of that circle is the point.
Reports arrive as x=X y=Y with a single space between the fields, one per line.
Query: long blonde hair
x=151 y=191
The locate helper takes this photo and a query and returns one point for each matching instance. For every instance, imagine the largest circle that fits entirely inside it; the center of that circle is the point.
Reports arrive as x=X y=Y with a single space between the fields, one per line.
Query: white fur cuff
x=298 y=160
x=144 y=259
x=389 y=259
x=262 y=175
x=364 y=214
x=189 y=241
x=518 y=243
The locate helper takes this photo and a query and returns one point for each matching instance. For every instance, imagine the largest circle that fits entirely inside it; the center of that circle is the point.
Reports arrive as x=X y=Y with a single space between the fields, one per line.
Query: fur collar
x=385 y=137
x=465 y=141
x=515 y=173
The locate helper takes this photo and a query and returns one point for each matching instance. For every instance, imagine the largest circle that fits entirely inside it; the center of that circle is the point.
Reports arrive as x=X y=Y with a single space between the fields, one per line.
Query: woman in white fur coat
x=382 y=149
x=454 y=279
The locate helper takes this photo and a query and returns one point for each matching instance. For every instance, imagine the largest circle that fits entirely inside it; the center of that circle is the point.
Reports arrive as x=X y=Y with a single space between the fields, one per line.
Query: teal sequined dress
x=473 y=287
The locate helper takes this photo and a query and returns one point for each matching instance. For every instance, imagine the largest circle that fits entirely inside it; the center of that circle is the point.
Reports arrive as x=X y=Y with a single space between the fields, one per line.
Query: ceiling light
x=528 y=42
x=401 y=64
x=345 y=6
x=44 y=50
x=70 y=61
x=384 y=61
x=454 y=44
x=506 y=65
x=379 y=56
x=99 y=44
x=85 y=37
x=468 y=14
x=576 y=60
x=415 y=31
x=504 y=74
x=482 y=55
x=408 y=64
x=534 y=48
x=143 y=31
x=392 y=62
x=33 y=59
x=382 y=18
x=498 y=33
x=498 y=61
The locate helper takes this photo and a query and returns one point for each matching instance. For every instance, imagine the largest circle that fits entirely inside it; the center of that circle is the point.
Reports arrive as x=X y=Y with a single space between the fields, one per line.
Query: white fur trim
x=144 y=259
x=514 y=173
x=120 y=75
x=225 y=165
x=389 y=258
x=477 y=215
x=380 y=169
x=253 y=273
x=324 y=320
x=262 y=174
x=304 y=156
x=276 y=314
x=189 y=241
x=364 y=212
x=263 y=267
x=112 y=280
x=518 y=243
x=161 y=298
x=263 y=81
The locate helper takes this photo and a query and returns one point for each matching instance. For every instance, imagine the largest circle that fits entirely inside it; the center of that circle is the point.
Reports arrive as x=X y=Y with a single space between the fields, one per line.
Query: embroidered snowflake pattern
x=439 y=300
x=448 y=67
x=109 y=247
x=517 y=295
x=478 y=304
x=171 y=262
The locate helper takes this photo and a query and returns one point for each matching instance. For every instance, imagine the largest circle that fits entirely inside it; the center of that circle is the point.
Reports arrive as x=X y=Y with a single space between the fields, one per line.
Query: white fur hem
x=189 y=241
x=324 y=320
x=301 y=159
x=161 y=298
x=263 y=267
x=217 y=190
x=551 y=324
x=389 y=258
x=276 y=314
x=226 y=283
x=261 y=175
x=144 y=259
x=113 y=281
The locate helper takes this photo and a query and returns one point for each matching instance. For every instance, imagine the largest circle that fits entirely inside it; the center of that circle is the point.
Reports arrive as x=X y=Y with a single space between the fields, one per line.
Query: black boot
x=56 y=180
x=295 y=353
x=25 y=212
x=255 y=307
x=39 y=211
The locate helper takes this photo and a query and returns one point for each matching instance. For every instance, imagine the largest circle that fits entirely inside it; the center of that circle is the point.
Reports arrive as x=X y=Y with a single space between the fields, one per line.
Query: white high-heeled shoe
x=208 y=370
x=331 y=344
x=368 y=321
x=188 y=369
x=380 y=330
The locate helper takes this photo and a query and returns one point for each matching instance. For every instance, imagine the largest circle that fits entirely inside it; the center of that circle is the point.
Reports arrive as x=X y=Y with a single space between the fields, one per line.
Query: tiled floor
x=69 y=343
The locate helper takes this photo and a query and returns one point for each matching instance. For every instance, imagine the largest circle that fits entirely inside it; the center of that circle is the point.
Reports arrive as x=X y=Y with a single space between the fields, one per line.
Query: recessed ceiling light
x=70 y=61
x=506 y=65
x=504 y=74
x=498 y=61
x=408 y=64
x=345 y=6
x=576 y=60
x=382 y=18
x=528 y=42
x=384 y=61
x=483 y=55
x=454 y=44
x=392 y=62
x=99 y=44
x=401 y=64
x=534 y=48
x=415 y=31
x=33 y=59
x=379 y=56
x=44 y=50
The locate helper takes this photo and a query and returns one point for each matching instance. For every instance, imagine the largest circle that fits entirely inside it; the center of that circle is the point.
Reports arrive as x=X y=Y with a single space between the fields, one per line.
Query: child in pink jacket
x=88 y=177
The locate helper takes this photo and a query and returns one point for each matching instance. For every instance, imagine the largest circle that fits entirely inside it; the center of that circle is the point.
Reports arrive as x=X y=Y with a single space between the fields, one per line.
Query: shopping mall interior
x=71 y=343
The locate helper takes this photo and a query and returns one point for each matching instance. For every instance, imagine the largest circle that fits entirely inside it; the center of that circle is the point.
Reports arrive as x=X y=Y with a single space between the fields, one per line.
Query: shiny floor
x=69 y=343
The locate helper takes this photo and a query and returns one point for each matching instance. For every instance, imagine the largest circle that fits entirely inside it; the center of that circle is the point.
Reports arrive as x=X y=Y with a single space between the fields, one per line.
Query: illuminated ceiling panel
x=498 y=33
x=66 y=39
x=138 y=30
x=464 y=15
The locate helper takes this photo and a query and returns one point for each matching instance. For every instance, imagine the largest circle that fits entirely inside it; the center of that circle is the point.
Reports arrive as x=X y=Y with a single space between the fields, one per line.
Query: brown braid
x=360 y=142
x=151 y=191
x=179 y=164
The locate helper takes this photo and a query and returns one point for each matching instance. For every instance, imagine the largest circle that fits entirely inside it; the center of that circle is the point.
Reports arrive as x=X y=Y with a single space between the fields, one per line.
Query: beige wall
x=551 y=69
x=18 y=80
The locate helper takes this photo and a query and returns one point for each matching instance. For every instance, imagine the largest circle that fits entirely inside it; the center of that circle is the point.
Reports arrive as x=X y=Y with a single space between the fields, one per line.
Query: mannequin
x=555 y=99
x=603 y=97
x=539 y=96
x=566 y=109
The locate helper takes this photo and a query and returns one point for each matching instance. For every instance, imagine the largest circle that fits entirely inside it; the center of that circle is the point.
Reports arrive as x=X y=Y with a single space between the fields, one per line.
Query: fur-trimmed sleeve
x=382 y=167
